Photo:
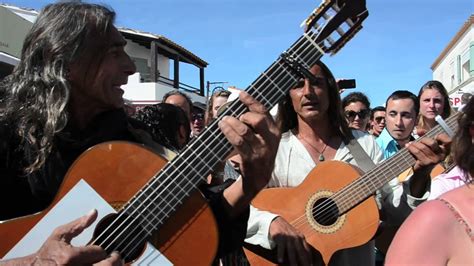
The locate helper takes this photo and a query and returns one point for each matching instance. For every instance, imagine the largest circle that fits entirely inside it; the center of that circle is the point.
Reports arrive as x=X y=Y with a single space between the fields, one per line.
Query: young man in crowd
x=197 y=116
x=377 y=120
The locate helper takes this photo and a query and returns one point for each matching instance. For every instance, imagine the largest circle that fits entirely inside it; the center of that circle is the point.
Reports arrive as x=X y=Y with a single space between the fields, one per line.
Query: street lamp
x=214 y=89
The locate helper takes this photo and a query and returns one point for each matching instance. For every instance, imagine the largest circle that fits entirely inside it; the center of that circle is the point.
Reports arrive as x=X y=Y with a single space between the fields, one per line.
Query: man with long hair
x=314 y=130
x=65 y=96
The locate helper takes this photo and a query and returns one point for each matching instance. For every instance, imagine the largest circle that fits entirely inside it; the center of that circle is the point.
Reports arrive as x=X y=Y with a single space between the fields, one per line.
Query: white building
x=454 y=67
x=156 y=57
x=15 y=22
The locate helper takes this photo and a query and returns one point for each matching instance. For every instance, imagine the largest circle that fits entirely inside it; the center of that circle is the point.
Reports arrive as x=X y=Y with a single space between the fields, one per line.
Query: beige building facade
x=454 y=67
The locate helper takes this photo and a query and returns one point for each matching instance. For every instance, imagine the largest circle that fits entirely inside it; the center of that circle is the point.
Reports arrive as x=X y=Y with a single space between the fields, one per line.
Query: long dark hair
x=37 y=92
x=164 y=121
x=287 y=117
x=463 y=145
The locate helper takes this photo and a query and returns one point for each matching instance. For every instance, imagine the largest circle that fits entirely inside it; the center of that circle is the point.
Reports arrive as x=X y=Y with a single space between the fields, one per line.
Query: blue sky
x=241 y=38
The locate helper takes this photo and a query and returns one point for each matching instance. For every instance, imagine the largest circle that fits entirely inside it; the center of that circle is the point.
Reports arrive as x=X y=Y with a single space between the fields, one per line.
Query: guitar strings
x=279 y=73
x=192 y=169
x=344 y=193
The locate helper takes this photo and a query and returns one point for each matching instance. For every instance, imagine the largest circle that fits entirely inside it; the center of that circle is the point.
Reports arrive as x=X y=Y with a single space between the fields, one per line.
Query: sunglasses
x=379 y=119
x=197 y=116
x=362 y=114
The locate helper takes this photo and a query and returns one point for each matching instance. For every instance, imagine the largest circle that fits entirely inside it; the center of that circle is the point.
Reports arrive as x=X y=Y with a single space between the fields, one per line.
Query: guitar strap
x=360 y=156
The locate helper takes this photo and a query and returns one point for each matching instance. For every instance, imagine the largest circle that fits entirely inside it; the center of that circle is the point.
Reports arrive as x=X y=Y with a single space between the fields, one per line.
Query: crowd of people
x=65 y=96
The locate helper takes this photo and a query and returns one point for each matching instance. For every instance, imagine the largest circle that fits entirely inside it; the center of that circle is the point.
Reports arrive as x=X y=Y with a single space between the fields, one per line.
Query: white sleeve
x=258 y=228
x=396 y=201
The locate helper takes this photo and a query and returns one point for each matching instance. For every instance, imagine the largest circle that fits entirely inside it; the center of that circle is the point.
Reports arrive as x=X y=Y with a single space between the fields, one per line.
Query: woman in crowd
x=356 y=107
x=434 y=100
x=168 y=124
x=218 y=99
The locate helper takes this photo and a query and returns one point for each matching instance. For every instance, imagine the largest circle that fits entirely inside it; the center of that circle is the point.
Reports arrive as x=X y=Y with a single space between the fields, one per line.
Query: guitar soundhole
x=120 y=233
x=325 y=211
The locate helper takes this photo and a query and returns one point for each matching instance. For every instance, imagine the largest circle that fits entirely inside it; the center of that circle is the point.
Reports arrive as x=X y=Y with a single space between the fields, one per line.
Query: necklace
x=321 y=155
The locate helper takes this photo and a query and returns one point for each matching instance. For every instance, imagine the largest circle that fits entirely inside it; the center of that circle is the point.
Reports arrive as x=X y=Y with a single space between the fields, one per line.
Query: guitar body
x=352 y=229
x=117 y=171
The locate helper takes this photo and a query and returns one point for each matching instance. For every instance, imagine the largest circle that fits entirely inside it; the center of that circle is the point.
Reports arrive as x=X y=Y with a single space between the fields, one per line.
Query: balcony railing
x=146 y=77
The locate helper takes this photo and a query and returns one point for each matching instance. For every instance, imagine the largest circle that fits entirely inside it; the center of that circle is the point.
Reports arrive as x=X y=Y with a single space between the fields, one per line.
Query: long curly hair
x=287 y=117
x=164 y=121
x=37 y=92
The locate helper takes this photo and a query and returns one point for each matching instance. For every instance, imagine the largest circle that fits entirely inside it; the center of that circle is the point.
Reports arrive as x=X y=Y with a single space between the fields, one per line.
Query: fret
x=371 y=181
x=270 y=80
x=274 y=84
x=310 y=49
x=314 y=55
x=260 y=97
x=307 y=37
x=143 y=211
x=367 y=188
x=201 y=157
x=138 y=219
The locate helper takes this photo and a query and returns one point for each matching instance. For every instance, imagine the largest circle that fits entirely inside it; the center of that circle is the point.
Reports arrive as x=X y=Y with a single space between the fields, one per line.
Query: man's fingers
x=235 y=132
x=252 y=104
x=433 y=147
x=261 y=124
x=444 y=141
x=281 y=248
x=68 y=231
x=114 y=259
x=417 y=151
x=308 y=253
x=88 y=255
x=420 y=132
x=291 y=251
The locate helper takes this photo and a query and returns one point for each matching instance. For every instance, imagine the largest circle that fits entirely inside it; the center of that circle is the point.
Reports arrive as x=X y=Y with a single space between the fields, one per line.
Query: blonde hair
x=210 y=104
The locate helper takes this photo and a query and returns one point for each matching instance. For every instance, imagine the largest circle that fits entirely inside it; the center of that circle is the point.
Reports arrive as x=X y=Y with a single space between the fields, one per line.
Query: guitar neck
x=365 y=186
x=167 y=190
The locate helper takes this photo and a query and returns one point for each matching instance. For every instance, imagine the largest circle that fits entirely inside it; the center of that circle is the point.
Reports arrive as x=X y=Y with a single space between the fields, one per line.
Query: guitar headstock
x=335 y=22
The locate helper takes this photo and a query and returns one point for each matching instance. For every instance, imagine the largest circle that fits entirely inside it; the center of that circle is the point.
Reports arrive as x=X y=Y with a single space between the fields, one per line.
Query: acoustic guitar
x=334 y=207
x=161 y=216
